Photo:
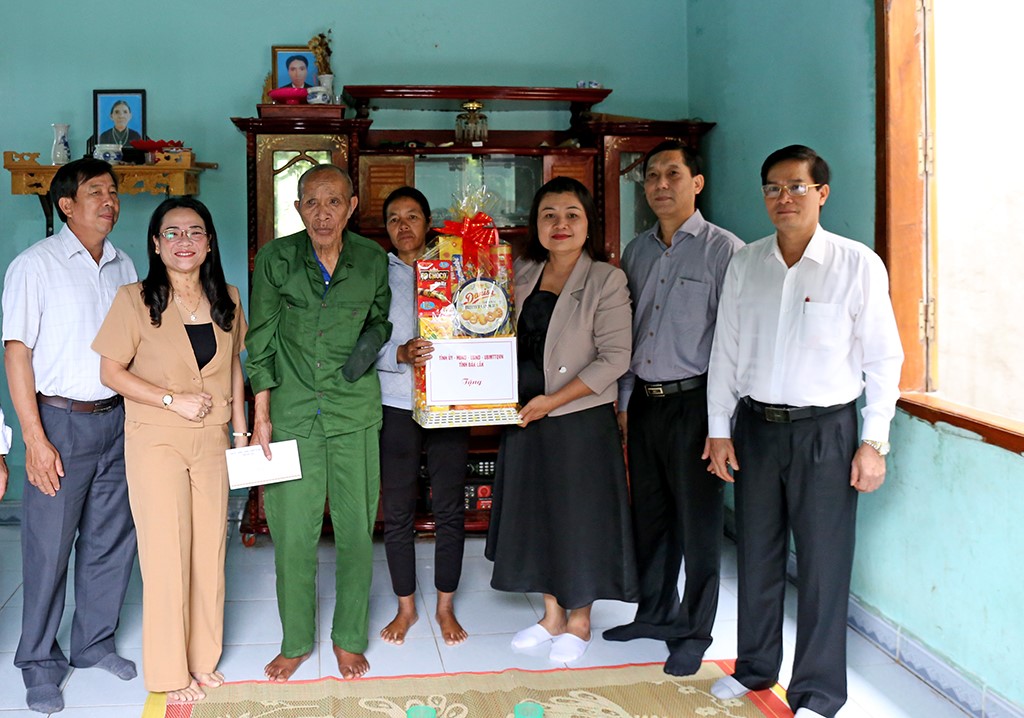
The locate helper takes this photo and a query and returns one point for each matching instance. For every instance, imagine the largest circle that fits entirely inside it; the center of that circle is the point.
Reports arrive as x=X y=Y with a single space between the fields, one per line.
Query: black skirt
x=560 y=519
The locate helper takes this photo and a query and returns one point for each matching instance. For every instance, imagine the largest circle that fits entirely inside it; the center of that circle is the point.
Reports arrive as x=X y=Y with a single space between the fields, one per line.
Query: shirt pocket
x=297 y=320
x=687 y=303
x=823 y=326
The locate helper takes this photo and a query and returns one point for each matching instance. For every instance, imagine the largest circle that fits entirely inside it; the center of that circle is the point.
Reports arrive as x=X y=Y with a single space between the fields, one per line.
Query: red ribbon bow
x=478 y=232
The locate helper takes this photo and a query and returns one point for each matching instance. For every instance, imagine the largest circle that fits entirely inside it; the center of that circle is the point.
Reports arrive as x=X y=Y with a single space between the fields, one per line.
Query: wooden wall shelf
x=169 y=178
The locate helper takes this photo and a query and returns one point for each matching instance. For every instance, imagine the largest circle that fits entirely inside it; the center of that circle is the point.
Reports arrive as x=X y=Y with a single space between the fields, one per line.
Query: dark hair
x=156 y=287
x=819 y=168
x=326 y=167
x=690 y=158
x=413 y=194
x=293 y=58
x=594 y=245
x=119 y=102
x=71 y=176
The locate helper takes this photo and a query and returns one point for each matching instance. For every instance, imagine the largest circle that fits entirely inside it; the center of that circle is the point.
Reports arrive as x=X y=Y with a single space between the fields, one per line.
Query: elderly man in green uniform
x=318 y=316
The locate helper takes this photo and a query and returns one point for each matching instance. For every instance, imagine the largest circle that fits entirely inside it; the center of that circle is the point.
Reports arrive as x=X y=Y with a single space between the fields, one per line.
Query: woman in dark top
x=560 y=520
x=170 y=346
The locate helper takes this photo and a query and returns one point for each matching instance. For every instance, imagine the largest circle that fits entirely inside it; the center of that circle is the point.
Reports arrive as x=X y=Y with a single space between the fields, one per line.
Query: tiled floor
x=879 y=688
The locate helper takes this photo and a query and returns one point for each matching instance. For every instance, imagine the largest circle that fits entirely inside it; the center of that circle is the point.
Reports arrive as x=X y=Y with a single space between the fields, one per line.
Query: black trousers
x=677 y=516
x=402 y=442
x=795 y=477
x=91 y=513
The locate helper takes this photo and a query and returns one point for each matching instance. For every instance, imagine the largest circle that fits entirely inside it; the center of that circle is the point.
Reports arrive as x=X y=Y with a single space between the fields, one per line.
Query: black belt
x=665 y=388
x=785 y=414
x=83 y=407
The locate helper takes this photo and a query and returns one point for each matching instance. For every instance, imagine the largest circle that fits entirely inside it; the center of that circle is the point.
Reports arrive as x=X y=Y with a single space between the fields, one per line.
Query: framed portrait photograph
x=293 y=66
x=119 y=116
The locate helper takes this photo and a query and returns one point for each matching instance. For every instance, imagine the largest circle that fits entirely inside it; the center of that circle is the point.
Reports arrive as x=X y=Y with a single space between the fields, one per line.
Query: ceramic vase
x=327 y=82
x=60 y=154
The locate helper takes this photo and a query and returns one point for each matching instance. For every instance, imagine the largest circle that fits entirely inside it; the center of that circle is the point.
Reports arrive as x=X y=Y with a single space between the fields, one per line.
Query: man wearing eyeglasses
x=56 y=294
x=805 y=325
x=675 y=273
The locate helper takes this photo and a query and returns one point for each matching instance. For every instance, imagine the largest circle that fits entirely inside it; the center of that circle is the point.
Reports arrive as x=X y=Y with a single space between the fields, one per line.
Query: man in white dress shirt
x=805 y=325
x=56 y=294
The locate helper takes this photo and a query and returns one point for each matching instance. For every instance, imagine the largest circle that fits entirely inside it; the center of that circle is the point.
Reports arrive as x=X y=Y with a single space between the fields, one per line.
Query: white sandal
x=568 y=648
x=531 y=637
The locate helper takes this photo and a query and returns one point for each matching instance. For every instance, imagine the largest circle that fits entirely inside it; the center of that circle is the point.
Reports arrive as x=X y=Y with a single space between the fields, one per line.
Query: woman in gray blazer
x=560 y=520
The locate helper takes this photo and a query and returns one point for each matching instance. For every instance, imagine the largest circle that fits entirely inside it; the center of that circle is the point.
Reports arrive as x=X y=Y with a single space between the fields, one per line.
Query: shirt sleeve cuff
x=875 y=428
x=387 y=360
x=720 y=426
x=626 y=383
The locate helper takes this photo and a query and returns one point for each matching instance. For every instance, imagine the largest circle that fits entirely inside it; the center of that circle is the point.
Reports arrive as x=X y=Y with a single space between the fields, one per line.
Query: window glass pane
x=979 y=207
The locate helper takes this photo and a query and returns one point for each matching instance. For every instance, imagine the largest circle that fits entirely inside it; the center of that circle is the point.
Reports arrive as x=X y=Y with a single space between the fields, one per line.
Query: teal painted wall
x=939 y=549
x=203 y=62
x=939 y=545
x=772 y=77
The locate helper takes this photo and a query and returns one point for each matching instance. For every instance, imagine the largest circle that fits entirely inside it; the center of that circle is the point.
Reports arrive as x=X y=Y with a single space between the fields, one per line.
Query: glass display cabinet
x=603 y=152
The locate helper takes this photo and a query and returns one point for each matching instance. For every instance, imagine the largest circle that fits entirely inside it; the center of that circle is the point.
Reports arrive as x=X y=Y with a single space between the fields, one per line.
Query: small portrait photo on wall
x=294 y=66
x=119 y=116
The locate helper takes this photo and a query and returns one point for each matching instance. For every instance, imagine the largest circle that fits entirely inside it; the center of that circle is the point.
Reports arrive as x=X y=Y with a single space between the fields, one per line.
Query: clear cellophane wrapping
x=464 y=290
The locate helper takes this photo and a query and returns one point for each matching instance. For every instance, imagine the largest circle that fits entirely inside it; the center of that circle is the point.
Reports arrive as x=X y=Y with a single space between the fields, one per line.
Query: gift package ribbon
x=478 y=232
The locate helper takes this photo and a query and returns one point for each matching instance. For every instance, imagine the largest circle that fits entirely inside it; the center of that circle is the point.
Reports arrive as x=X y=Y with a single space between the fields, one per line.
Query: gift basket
x=465 y=307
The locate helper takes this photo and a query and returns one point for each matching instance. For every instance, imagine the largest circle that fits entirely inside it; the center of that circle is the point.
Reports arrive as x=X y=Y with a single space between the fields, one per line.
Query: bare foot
x=189 y=694
x=209 y=680
x=351 y=665
x=395 y=631
x=554 y=620
x=451 y=630
x=579 y=622
x=281 y=669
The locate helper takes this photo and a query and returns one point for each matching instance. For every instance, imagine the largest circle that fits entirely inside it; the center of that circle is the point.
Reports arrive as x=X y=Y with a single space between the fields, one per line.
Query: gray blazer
x=590 y=335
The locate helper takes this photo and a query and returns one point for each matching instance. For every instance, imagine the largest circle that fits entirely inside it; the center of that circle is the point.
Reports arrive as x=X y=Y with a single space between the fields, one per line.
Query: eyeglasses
x=797 y=189
x=180 y=235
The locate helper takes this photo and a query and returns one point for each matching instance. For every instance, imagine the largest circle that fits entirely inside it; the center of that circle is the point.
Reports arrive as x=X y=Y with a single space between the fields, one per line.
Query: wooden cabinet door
x=379 y=176
x=280 y=161
x=579 y=168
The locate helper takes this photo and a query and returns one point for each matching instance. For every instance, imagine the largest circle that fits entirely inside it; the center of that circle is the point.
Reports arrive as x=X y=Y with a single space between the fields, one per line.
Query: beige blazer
x=590 y=334
x=163 y=356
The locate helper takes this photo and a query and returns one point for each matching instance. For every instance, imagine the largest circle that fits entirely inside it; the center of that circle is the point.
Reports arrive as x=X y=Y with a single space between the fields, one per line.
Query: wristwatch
x=882 y=447
x=167 y=400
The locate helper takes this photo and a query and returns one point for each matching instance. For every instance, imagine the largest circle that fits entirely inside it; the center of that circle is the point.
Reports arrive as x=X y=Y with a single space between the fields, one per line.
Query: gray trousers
x=795 y=477
x=91 y=513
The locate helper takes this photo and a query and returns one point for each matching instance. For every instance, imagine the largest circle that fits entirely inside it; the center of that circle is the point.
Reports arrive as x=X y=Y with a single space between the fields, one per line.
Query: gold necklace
x=191 y=312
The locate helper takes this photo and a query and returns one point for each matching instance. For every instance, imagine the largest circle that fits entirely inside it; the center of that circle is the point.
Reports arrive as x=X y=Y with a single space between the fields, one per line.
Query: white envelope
x=249 y=467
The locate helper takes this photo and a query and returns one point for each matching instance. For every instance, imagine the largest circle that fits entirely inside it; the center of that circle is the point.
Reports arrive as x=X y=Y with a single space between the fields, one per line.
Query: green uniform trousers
x=344 y=470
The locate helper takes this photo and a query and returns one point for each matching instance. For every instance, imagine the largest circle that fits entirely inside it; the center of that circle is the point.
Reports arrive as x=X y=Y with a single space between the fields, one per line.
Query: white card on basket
x=249 y=467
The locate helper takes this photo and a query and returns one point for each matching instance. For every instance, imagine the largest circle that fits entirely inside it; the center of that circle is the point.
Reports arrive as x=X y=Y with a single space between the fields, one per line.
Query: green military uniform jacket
x=301 y=332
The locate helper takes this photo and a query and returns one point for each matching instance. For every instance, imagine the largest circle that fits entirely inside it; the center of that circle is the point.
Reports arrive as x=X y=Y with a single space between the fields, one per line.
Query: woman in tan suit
x=560 y=520
x=170 y=346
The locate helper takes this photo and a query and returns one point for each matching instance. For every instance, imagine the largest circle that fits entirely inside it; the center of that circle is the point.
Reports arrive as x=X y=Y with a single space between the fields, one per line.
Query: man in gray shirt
x=675 y=272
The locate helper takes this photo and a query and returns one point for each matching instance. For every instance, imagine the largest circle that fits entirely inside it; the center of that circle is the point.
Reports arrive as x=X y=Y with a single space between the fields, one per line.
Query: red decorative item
x=289 y=95
x=478 y=235
x=155 y=145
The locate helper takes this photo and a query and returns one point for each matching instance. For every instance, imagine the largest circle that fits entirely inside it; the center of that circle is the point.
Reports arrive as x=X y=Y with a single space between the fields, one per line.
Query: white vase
x=327 y=82
x=60 y=154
